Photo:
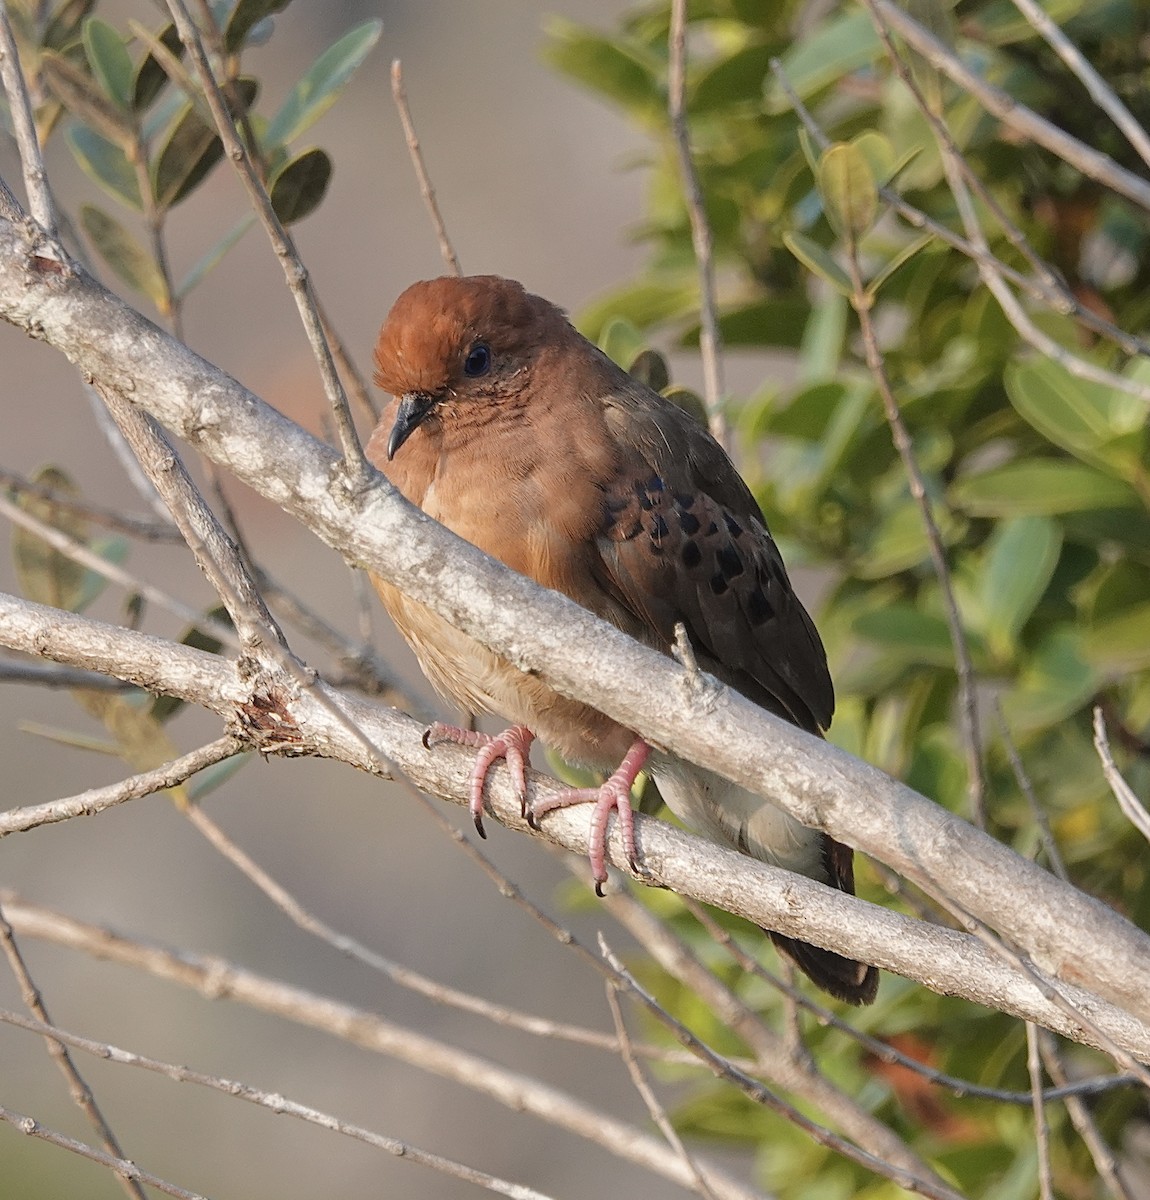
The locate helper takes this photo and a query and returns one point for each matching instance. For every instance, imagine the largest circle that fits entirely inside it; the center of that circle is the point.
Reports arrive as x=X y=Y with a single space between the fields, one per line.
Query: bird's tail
x=845 y=979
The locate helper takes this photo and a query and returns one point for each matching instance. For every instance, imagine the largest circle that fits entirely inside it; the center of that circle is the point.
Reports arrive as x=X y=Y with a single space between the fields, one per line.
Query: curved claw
x=613 y=795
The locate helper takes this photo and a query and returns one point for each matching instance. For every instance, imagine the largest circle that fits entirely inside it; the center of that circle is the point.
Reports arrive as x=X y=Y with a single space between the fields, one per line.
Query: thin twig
x=1084 y=1123
x=52 y=676
x=960 y=177
x=139 y=527
x=1100 y=91
x=1015 y=116
x=967 y=695
x=762 y=1095
x=642 y=1086
x=275 y=1103
x=1049 y=289
x=79 y=1089
x=71 y=548
x=96 y=800
x=299 y=282
x=710 y=339
x=1041 y=821
x=884 y=1051
x=123 y=1167
x=1041 y=1129
x=218 y=979
x=399 y=95
x=1131 y=806
x=40 y=201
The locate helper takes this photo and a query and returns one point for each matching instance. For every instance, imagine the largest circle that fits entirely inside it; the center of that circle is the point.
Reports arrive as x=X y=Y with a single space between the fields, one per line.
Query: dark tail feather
x=845 y=979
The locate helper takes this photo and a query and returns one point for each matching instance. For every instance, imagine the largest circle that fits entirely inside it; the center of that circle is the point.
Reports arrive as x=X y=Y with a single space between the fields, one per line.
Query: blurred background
x=532 y=176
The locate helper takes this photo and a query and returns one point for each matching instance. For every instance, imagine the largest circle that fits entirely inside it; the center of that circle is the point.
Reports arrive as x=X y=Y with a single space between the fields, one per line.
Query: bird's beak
x=413 y=409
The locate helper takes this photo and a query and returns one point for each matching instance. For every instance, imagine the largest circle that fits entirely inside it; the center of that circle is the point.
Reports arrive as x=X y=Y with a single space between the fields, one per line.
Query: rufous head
x=454 y=343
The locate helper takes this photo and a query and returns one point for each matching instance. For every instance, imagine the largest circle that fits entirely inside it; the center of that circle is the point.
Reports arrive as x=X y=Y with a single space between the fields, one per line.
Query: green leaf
x=105 y=163
x=847 y=186
x=821 y=58
x=621 y=72
x=1043 y=487
x=299 y=185
x=111 y=548
x=892 y=265
x=915 y=636
x=818 y=260
x=246 y=15
x=650 y=367
x=1121 y=643
x=191 y=149
x=1021 y=556
x=899 y=542
x=65 y=23
x=823 y=340
x=737 y=79
x=1087 y=419
x=213 y=777
x=124 y=255
x=1055 y=682
x=213 y=256
x=110 y=61
x=78 y=93
x=46 y=575
x=621 y=341
x=151 y=76
x=318 y=90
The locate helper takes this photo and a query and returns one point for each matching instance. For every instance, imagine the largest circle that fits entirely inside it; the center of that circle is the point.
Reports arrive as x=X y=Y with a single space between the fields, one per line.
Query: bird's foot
x=513 y=745
x=614 y=794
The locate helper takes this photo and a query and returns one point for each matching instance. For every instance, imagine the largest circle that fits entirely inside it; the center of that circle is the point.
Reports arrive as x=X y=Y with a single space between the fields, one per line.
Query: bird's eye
x=478 y=360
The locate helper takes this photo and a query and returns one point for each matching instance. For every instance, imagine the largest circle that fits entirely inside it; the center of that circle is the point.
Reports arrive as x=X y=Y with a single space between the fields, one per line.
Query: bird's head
x=453 y=346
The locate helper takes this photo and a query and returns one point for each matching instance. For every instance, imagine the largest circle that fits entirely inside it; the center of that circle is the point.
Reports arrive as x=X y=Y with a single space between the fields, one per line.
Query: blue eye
x=478 y=360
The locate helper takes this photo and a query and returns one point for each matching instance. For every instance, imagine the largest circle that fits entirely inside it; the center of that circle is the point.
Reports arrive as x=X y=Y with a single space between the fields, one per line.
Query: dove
x=519 y=435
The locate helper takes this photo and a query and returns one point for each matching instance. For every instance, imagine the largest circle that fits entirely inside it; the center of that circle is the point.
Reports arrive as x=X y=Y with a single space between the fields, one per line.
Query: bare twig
x=79 y=1089
x=215 y=979
x=1084 y=1123
x=1041 y=821
x=760 y=1094
x=1100 y=91
x=299 y=282
x=52 y=676
x=643 y=1087
x=125 y=1169
x=1017 y=117
x=1041 y=1129
x=1048 y=289
x=95 y=800
x=399 y=95
x=710 y=339
x=40 y=200
x=277 y=1104
x=140 y=527
x=78 y=552
x=967 y=695
x=1133 y=808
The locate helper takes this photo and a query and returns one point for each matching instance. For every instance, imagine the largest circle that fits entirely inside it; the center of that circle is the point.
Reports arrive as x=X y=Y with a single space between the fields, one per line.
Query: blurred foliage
x=137 y=121
x=1039 y=480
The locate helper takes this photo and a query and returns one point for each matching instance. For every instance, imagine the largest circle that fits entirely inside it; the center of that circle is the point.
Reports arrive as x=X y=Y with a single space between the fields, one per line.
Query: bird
x=514 y=431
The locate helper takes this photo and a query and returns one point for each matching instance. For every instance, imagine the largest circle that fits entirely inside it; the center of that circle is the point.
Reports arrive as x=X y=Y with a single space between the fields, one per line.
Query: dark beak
x=414 y=407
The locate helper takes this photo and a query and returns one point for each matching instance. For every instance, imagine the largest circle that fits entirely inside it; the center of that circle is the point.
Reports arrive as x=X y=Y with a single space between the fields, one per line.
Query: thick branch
x=1067 y=933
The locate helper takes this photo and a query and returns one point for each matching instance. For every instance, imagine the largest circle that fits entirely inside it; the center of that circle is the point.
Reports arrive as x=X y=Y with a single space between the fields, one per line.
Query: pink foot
x=614 y=794
x=512 y=744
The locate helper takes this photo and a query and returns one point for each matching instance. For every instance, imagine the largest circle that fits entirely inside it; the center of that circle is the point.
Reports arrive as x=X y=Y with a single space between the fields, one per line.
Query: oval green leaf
x=1044 y=487
x=1021 y=555
x=130 y=261
x=847 y=186
x=105 y=163
x=318 y=90
x=298 y=188
x=818 y=260
x=246 y=15
x=110 y=61
x=151 y=76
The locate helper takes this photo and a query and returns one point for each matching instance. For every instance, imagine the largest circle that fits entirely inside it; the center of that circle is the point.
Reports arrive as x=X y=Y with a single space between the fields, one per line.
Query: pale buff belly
x=470 y=675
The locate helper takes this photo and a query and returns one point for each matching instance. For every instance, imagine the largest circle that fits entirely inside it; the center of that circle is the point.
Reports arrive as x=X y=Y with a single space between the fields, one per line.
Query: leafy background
x=1039 y=481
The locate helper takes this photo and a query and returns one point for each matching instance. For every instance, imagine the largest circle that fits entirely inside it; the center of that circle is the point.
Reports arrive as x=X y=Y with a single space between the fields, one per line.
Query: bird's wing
x=683 y=539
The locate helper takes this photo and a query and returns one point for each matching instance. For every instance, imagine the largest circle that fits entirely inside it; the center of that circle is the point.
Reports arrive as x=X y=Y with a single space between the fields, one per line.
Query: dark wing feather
x=684 y=540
